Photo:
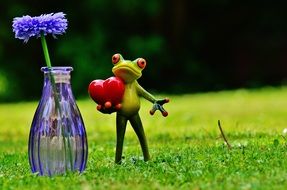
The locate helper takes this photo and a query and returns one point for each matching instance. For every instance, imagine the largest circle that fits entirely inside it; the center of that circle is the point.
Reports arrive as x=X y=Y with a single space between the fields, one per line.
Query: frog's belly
x=130 y=103
x=129 y=109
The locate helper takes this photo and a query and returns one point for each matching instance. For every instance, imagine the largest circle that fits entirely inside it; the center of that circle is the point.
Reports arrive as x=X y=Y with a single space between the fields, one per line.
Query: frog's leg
x=138 y=128
x=121 y=129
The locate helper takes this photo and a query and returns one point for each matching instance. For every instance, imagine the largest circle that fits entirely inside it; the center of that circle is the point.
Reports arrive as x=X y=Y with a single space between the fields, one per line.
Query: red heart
x=109 y=90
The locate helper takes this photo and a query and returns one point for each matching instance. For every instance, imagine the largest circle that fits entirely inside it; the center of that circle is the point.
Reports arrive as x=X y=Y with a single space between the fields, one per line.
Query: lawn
x=186 y=148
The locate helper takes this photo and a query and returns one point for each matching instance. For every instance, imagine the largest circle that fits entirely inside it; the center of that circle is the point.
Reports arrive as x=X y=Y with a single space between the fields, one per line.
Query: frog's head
x=127 y=70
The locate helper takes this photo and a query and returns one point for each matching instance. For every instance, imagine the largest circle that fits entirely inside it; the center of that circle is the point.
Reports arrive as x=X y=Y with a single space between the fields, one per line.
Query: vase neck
x=59 y=74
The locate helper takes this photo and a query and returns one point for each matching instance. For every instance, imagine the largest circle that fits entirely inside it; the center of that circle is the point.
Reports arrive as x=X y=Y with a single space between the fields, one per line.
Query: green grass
x=186 y=148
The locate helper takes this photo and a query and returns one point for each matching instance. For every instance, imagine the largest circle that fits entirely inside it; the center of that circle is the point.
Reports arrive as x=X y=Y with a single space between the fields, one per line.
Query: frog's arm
x=142 y=92
x=157 y=103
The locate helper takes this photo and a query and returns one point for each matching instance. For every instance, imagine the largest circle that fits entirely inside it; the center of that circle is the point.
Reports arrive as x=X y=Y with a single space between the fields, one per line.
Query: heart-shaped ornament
x=109 y=91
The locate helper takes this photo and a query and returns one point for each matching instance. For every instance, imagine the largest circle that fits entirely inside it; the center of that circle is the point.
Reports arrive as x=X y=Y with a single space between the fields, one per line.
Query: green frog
x=129 y=71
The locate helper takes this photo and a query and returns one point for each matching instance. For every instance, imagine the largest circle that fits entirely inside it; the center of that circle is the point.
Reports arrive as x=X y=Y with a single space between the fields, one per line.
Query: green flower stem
x=46 y=51
x=57 y=99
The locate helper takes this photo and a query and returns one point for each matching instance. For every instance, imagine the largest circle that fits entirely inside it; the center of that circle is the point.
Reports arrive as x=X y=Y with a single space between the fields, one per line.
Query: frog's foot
x=158 y=105
x=108 y=107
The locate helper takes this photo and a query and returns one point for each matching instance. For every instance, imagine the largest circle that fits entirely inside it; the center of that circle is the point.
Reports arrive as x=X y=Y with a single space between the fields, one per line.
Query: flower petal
x=27 y=26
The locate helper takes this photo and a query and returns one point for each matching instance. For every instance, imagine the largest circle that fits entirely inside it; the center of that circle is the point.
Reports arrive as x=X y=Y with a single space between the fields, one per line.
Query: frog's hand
x=108 y=108
x=158 y=105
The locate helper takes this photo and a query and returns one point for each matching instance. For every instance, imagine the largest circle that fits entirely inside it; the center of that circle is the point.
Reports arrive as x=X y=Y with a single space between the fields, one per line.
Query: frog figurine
x=128 y=72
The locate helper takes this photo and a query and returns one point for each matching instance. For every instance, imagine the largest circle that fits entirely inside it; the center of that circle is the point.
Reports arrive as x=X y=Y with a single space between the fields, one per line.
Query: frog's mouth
x=126 y=73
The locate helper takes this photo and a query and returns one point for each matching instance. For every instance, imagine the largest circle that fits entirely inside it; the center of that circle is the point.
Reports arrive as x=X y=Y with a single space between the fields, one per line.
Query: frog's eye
x=116 y=58
x=141 y=63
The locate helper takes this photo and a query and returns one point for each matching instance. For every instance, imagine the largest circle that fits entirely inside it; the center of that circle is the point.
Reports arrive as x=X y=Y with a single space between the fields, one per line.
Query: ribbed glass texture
x=57 y=141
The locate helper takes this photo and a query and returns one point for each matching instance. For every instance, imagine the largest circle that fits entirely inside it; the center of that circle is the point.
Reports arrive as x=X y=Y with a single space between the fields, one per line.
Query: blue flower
x=27 y=26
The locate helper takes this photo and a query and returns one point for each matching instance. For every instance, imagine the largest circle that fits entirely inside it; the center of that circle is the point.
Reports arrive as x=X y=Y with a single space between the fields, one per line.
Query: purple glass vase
x=57 y=141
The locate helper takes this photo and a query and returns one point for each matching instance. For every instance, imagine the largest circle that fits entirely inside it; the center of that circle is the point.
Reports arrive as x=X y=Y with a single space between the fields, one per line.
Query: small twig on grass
x=223 y=136
x=284 y=137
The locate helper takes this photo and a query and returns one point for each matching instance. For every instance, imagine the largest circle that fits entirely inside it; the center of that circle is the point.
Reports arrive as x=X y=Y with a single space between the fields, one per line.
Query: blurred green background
x=190 y=46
